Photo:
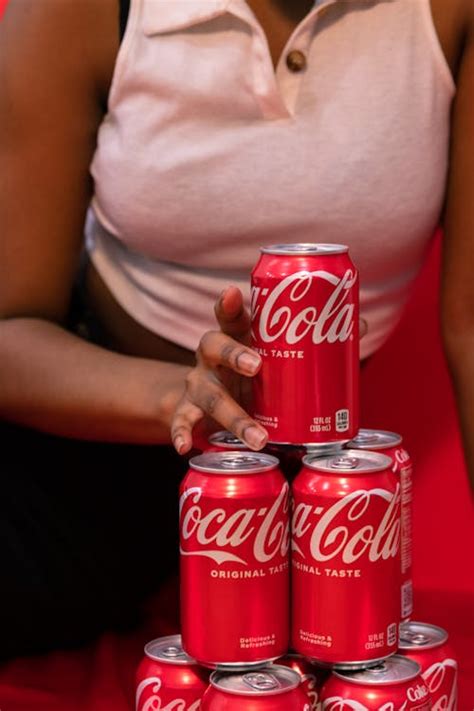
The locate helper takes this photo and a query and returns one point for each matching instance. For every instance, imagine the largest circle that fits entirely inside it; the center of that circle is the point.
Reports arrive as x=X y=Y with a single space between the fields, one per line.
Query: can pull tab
x=365 y=438
x=172 y=652
x=237 y=461
x=261 y=681
x=379 y=669
x=345 y=463
x=417 y=638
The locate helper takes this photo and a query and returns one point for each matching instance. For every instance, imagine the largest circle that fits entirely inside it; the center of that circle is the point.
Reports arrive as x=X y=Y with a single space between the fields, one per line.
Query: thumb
x=232 y=317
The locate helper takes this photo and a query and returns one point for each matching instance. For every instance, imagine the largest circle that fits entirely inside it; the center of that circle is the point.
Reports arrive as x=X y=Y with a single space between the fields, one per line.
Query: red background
x=405 y=388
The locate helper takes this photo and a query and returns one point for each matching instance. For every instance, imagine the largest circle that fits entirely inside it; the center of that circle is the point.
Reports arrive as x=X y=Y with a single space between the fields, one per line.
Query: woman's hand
x=219 y=387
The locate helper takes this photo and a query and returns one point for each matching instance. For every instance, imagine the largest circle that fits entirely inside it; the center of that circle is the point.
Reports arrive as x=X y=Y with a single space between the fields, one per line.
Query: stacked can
x=428 y=646
x=168 y=678
x=350 y=501
x=391 y=444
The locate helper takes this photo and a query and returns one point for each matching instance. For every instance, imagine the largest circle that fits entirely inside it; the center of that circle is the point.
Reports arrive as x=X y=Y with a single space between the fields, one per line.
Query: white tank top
x=207 y=153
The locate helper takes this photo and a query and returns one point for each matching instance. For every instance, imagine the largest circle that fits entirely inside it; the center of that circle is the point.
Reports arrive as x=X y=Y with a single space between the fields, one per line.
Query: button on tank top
x=207 y=152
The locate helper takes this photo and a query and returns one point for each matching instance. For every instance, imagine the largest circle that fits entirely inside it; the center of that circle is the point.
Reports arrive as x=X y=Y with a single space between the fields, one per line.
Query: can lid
x=421 y=635
x=304 y=248
x=168 y=650
x=227 y=440
x=268 y=681
x=233 y=461
x=324 y=450
x=394 y=670
x=375 y=439
x=351 y=461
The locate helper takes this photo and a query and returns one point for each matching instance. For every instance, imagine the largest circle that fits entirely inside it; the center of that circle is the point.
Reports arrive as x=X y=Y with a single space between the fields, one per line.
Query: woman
x=216 y=126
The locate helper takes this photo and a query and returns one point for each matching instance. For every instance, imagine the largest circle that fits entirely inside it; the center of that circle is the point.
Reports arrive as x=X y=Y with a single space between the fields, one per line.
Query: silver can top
x=305 y=248
x=168 y=650
x=394 y=670
x=374 y=440
x=268 y=681
x=324 y=450
x=420 y=635
x=226 y=440
x=350 y=461
x=234 y=462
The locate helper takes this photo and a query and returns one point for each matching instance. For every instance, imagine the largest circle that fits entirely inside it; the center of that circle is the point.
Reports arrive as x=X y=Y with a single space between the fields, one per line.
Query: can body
x=340 y=695
x=162 y=684
x=437 y=661
x=391 y=444
x=271 y=689
x=312 y=677
x=234 y=562
x=346 y=559
x=305 y=322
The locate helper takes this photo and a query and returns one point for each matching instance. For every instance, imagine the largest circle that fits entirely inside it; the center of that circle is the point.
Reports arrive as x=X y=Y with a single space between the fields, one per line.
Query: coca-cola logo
x=417 y=693
x=342 y=530
x=310 y=686
x=278 y=313
x=402 y=456
x=337 y=703
x=149 y=688
x=441 y=680
x=214 y=533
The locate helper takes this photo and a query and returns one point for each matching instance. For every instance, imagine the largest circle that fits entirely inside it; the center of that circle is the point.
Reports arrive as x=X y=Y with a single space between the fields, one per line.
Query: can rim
x=413 y=646
x=305 y=248
x=268 y=462
x=415 y=671
x=374 y=446
x=173 y=640
x=218 y=440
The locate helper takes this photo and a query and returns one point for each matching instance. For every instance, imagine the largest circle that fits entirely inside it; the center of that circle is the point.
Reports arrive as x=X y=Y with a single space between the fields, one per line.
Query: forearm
x=459 y=349
x=53 y=381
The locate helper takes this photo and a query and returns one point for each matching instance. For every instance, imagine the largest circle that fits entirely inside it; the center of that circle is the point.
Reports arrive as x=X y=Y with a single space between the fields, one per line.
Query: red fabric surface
x=405 y=388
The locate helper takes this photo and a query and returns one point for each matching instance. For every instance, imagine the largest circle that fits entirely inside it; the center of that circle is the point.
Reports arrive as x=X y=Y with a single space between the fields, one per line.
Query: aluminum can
x=391 y=444
x=394 y=685
x=272 y=688
x=346 y=559
x=234 y=545
x=428 y=645
x=168 y=678
x=312 y=677
x=305 y=327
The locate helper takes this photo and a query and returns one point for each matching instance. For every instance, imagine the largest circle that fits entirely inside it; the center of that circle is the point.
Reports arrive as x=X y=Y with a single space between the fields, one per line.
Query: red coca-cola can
x=391 y=444
x=394 y=685
x=305 y=327
x=428 y=645
x=273 y=688
x=312 y=677
x=346 y=559
x=168 y=678
x=234 y=533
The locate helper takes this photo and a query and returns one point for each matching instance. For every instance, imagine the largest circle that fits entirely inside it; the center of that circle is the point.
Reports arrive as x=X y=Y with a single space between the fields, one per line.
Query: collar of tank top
x=180 y=15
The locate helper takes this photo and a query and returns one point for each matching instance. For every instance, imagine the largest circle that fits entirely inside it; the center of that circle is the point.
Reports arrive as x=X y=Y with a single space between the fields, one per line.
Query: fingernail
x=222 y=296
x=179 y=444
x=255 y=438
x=249 y=362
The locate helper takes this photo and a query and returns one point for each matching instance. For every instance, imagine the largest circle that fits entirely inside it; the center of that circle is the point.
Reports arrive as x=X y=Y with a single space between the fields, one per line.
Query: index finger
x=232 y=317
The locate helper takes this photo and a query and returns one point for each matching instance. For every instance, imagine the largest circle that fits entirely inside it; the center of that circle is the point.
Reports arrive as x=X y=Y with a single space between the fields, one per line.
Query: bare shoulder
x=81 y=34
x=56 y=64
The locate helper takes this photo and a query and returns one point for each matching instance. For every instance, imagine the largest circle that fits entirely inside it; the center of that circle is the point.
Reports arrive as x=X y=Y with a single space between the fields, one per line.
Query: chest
x=279 y=19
